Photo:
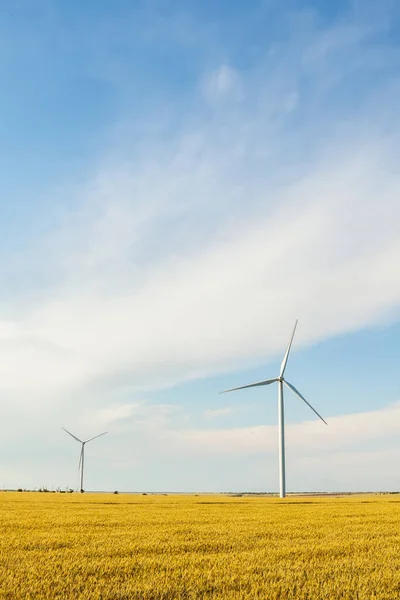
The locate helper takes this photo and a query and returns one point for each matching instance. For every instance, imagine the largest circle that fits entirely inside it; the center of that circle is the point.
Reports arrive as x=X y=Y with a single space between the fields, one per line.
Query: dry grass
x=210 y=547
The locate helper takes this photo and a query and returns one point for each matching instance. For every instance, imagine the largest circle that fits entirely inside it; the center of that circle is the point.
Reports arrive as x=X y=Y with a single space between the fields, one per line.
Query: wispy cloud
x=217 y=412
x=113 y=414
x=342 y=434
x=322 y=249
x=223 y=82
x=354 y=452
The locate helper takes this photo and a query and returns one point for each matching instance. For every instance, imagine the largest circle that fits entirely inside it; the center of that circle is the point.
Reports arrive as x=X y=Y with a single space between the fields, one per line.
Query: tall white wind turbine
x=281 y=417
x=82 y=455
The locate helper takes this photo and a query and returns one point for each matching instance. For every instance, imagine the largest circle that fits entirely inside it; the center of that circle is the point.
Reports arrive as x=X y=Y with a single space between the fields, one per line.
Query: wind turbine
x=82 y=455
x=281 y=416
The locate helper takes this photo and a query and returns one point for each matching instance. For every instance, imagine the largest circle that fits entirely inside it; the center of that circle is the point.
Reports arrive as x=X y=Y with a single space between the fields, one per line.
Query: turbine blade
x=285 y=358
x=242 y=387
x=96 y=436
x=80 y=458
x=304 y=400
x=72 y=435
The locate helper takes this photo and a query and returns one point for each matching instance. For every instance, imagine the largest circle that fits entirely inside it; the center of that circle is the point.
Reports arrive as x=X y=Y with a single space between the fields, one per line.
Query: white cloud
x=217 y=412
x=113 y=414
x=354 y=452
x=325 y=252
x=343 y=432
x=148 y=417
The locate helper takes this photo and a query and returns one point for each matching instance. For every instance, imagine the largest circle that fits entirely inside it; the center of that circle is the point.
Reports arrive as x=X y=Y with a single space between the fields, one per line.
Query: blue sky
x=179 y=182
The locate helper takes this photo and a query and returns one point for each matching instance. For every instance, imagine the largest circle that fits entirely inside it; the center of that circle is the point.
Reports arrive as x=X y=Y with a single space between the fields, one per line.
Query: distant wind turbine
x=281 y=417
x=82 y=455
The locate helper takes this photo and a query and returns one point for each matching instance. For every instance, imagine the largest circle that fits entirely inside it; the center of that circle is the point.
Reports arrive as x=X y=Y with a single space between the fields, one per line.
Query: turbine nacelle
x=280 y=379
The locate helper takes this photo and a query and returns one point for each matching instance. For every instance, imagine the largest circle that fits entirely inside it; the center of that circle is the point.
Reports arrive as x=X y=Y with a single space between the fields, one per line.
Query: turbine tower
x=281 y=415
x=82 y=455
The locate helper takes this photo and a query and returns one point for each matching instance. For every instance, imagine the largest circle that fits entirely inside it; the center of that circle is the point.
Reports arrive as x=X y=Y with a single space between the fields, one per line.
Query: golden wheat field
x=105 y=546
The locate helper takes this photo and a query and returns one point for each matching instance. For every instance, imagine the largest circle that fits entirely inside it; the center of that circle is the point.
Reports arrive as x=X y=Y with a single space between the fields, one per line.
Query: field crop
x=114 y=547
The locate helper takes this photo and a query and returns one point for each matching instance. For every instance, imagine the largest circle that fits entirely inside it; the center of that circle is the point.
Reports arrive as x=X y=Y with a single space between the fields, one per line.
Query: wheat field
x=156 y=547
